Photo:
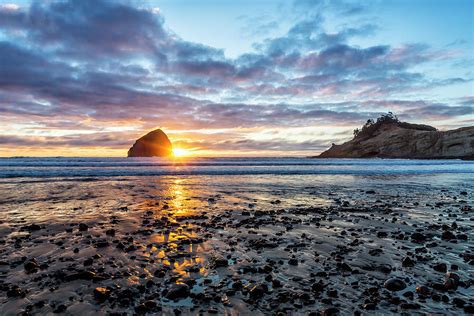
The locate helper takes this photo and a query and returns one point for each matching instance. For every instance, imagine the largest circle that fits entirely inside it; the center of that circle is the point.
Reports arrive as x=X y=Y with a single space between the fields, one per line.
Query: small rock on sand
x=394 y=284
x=177 y=291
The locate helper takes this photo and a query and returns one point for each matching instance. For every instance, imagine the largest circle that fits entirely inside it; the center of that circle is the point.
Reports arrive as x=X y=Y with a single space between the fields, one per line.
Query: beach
x=236 y=236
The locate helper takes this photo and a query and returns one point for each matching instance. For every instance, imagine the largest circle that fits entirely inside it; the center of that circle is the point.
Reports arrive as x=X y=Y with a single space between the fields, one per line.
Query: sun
x=180 y=152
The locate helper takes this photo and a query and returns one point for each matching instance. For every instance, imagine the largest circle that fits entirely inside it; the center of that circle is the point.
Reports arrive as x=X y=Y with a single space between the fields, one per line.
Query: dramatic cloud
x=74 y=68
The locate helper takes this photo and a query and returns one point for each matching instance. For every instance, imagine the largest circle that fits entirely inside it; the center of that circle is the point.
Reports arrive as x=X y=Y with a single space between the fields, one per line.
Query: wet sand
x=238 y=245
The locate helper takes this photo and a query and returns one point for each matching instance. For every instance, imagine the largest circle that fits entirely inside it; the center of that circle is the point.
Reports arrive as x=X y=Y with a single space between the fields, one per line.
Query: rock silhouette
x=390 y=138
x=153 y=144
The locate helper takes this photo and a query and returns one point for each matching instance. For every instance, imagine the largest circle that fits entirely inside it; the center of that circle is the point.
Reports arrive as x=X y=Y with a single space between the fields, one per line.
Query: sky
x=227 y=78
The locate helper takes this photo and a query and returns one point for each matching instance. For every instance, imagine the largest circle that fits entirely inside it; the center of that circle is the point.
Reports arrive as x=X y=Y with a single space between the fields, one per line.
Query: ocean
x=112 y=167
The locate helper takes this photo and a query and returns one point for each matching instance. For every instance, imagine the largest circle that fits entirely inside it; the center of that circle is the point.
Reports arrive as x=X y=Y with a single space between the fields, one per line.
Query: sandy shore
x=258 y=245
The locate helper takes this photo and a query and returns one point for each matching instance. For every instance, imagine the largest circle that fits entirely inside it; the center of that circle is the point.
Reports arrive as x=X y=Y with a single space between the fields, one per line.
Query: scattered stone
x=83 y=227
x=218 y=261
x=469 y=309
x=331 y=311
x=101 y=294
x=451 y=281
x=293 y=262
x=423 y=290
x=31 y=228
x=31 y=265
x=394 y=284
x=258 y=291
x=177 y=291
x=447 y=235
x=110 y=232
x=440 y=267
x=408 y=262
x=418 y=237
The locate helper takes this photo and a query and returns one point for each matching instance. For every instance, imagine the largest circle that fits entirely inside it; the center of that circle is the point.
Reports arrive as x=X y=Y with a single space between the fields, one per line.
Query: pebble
x=31 y=265
x=101 y=294
x=394 y=284
x=293 y=262
x=177 y=291
x=447 y=235
x=408 y=262
x=418 y=237
x=83 y=227
x=440 y=267
x=258 y=291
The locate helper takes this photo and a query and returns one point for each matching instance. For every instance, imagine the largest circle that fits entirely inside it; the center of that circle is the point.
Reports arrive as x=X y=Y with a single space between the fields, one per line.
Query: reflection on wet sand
x=262 y=246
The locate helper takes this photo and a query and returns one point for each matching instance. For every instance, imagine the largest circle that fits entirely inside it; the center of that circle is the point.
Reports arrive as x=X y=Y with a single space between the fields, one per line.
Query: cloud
x=99 y=65
x=87 y=27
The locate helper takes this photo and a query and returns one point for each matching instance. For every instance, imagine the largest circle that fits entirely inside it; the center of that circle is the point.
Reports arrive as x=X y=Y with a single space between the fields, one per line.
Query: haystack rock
x=390 y=138
x=153 y=144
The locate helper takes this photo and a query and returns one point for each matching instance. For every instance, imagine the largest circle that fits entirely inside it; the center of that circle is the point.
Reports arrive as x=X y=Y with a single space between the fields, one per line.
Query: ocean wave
x=114 y=167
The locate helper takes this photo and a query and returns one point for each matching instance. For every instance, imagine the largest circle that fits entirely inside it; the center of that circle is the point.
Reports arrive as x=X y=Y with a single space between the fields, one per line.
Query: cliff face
x=153 y=144
x=404 y=140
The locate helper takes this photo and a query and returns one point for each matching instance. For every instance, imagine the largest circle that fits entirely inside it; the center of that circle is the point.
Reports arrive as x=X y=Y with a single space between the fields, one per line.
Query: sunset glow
x=280 y=78
x=181 y=152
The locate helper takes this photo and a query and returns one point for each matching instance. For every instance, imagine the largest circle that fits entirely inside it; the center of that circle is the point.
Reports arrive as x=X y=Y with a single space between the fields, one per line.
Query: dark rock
x=141 y=309
x=462 y=237
x=153 y=144
x=83 y=227
x=332 y=293
x=331 y=311
x=418 y=237
x=177 y=291
x=219 y=261
x=423 y=290
x=469 y=309
x=394 y=284
x=440 y=267
x=318 y=287
x=458 y=302
x=408 y=262
x=344 y=266
x=101 y=243
x=101 y=294
x=32 y=227
x=447 y=235
x=451 y=281
x=293 y=262
x=276 y=283
x=88 y=262
x=110 y=232
x=31 y=265
x=438 y=286
x=16 y=291
x=258 y=291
